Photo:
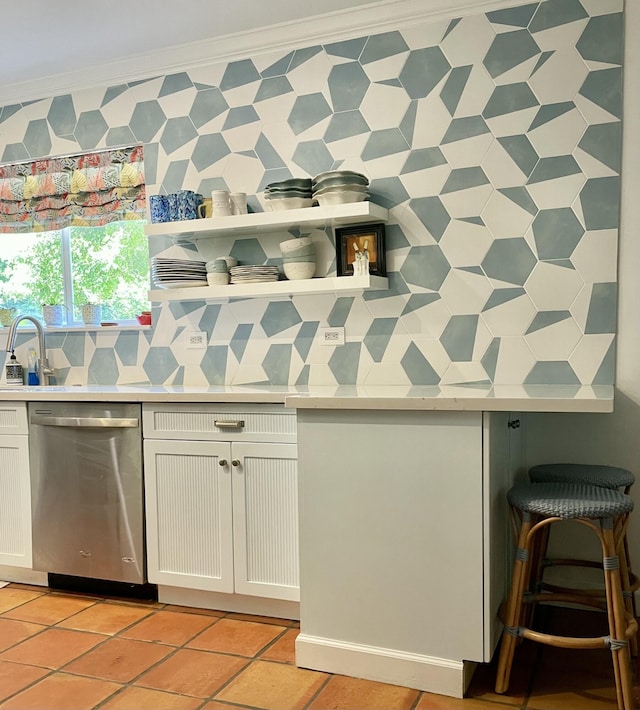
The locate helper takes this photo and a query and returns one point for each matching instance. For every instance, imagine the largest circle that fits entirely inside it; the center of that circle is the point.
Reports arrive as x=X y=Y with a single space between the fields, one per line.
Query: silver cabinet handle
x=229 y=424
x=87 y=422
x=222 y=462
x=235 y=462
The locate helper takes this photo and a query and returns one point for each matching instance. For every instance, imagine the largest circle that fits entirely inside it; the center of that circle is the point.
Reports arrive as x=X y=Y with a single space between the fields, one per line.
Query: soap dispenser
x=32 y=367
x=14 y=371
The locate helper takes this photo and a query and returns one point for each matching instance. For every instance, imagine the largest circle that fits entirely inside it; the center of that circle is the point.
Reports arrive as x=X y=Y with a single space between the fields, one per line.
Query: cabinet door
x=265 y=519
x=188 y=514
x=15 y=502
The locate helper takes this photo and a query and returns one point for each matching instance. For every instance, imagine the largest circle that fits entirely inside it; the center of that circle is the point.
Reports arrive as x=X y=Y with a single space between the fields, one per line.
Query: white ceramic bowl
x=295 y=270
x=340 y=198
x=341 y=188
x=214 y=279
x=303 y=251
x=231 y=261
x=292 y=245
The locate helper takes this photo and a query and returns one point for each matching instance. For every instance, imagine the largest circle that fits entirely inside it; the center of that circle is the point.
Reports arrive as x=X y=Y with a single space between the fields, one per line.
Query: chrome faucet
x=44 y=371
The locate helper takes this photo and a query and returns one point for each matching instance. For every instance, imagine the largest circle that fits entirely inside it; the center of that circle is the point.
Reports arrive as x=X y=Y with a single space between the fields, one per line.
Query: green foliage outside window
x=109 y=265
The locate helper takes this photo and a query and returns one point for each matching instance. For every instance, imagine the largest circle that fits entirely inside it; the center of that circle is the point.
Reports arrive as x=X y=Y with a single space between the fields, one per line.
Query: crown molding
x=381 y=16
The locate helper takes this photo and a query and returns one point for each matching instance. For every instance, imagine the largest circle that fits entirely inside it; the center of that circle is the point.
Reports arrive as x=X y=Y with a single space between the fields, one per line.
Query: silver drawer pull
x=232 y=424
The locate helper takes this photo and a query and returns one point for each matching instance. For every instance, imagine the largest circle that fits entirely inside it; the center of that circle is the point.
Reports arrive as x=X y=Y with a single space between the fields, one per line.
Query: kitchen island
x=403 y=530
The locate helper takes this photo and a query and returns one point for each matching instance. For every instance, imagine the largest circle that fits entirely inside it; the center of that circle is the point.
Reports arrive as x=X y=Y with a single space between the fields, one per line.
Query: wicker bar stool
x=611 y=477
x=605 y=511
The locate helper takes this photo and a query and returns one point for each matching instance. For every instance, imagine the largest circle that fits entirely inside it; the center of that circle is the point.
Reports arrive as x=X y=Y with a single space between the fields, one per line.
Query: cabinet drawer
x=13 y=418
x=211 y=422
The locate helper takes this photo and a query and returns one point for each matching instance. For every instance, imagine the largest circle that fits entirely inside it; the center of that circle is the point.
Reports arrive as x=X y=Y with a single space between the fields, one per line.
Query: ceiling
x=61 y=39
x=49 y=49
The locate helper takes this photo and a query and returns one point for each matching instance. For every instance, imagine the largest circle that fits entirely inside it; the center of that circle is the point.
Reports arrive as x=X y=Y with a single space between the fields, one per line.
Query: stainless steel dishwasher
x=87 y=490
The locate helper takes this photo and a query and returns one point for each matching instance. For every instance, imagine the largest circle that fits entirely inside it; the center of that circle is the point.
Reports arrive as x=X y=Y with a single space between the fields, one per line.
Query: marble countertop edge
x=516 y=398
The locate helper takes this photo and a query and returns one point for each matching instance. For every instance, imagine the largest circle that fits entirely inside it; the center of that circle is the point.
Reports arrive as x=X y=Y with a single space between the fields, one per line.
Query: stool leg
x=514 y=606
x=626 y=591
x=539 y=545
x=617 y=621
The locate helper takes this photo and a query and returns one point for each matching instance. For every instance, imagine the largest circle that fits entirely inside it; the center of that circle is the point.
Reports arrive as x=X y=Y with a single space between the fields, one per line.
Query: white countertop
x=499 y=398
x=516 y=398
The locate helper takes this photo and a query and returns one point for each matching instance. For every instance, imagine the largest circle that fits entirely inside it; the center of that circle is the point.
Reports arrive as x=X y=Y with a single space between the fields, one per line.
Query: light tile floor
x=65 y=651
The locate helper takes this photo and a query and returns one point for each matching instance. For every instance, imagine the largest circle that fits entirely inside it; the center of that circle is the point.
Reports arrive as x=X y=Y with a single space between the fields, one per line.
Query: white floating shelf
x=260 y=222
x=277 y=289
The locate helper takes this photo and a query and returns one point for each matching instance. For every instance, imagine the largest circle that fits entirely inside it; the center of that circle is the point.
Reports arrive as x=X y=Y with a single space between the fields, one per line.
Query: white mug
x=220 y=203
x=238 y=202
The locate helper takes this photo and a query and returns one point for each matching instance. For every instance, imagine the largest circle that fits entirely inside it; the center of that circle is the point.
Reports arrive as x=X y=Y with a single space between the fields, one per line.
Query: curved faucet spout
x=44 y=370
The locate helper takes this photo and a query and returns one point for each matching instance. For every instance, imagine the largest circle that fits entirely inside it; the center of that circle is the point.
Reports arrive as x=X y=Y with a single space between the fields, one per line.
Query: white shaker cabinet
x=15 y=486
x=221 y=499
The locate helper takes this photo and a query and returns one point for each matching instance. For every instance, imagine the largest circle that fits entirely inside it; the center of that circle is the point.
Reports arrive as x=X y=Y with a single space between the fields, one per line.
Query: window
x=72 y=232
x=77 y=265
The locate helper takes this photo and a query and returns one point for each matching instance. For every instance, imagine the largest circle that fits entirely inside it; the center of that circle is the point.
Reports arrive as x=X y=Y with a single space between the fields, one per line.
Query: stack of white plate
x=253 y=274
x=291 y=194
x=178 y=273
x=337 y=187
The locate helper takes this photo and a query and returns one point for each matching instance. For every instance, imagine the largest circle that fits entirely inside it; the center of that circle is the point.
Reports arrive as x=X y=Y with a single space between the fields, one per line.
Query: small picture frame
x=360 y=237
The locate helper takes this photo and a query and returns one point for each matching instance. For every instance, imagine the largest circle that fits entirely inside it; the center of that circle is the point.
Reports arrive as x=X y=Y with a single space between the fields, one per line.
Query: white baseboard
x=239 y=603
x=23 y=575
x=434 y=675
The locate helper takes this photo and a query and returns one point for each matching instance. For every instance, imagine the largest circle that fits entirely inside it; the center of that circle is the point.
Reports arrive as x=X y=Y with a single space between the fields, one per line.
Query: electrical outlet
x=331 y=336
x=197 y=340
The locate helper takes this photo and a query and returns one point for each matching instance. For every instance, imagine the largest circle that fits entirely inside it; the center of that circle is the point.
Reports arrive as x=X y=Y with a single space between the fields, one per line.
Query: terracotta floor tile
x=29 y=587
x=52 y=648
x=14 y=677
x=243 y=638
x=145 y=699
x=105 y=618
x=284 y=649
x=345 y=693
x=216 y=705
x=49 y=609
x=189 y=672
x=194 y=610
x=273 y=686
x=430 y=701
x=12 y=631
x=556 y=687
x=592 y=699
x=11 y=597
x=62 y=692
x=483 y=682
x=170 y=627
x=118 y=659
x=260 y=619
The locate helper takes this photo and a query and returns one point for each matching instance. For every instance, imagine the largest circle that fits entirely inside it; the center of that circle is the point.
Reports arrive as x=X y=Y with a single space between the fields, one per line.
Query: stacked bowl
x=298 y=258
x=289 y=194
x=337 y=187
x=217 y=272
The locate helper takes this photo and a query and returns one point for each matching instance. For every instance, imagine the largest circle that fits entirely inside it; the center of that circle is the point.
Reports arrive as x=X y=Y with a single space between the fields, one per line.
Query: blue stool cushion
x=569 y=500
x=591 y=474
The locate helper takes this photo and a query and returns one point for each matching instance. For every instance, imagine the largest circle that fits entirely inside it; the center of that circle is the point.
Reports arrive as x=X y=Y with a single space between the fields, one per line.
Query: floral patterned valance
x=81 y=190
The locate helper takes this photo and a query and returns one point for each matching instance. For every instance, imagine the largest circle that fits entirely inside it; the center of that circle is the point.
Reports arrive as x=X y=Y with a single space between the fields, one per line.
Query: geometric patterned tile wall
x=494 y=140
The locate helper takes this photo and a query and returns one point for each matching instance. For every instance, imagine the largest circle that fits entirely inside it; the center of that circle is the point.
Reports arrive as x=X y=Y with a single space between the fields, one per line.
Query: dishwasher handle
x=87 y=422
